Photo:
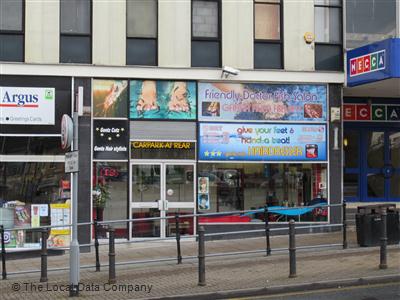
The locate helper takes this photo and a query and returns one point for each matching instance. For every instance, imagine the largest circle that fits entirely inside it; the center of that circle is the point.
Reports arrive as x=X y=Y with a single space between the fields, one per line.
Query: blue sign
x=374 y=62
x=262 y=142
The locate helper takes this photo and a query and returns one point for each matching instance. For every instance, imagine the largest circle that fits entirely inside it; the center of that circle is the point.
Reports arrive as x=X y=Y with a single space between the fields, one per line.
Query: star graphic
x=109 y=138
x=206 y=153
x=213 y=153
x=219 y=153
x=97 y=128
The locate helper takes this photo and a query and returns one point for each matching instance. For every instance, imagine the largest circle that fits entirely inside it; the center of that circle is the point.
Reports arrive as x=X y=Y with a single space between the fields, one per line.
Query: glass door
x=146 y=199
x=160 y=190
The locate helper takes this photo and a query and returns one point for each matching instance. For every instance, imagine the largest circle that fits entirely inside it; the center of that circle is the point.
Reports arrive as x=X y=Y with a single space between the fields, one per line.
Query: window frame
x=269 y=41
x=90 y=36
x=341 y=45
x=207 y=39
x=141 y=38
x=17 y=33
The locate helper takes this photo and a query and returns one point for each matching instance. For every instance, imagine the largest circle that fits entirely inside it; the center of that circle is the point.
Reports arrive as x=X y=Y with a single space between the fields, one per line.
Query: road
x=384 y=291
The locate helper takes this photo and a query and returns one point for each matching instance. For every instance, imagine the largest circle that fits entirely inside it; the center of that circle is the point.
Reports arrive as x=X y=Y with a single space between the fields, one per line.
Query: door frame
x=163 y=164
x=363 y=170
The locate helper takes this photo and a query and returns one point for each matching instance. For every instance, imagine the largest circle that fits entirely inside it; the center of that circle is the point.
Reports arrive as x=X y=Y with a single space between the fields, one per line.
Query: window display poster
x=161 y=99
x=35 y=215
x=203 y=185
x=203 y=202
x=58 y=240
x=110 y=139
x=262 y=142
x=43 y=210
x=10 y=239
x=110 y=98
x=22 y=216
x=27 y=106
x=221 y=101
x=60 y=216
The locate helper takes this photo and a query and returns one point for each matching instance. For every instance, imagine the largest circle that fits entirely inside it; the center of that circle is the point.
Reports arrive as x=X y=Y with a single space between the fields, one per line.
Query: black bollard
x=3 y=254
x=111 y=256
x=383 y=254
x=96 y=245
x=43 y=255
x=292 y=249
x=178 y=239
x=344 y=225
x=268 y=244
x=202 y=258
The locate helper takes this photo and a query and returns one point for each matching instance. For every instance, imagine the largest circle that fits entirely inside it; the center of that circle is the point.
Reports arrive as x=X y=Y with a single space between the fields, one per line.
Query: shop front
x=262 y=145
x=34 y=189
x=371 y=115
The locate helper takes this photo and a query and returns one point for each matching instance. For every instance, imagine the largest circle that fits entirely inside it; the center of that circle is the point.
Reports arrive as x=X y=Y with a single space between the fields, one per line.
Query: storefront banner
x=266 y=142
x=110 y=139
x=27 y=106
x=110 y=98
x=374 y=112
x=261 y=102
x=373 y=62
x=173 y=100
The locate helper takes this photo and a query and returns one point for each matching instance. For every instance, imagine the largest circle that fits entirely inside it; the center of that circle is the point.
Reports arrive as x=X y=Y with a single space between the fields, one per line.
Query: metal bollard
x=292 y=249
x=178 y=239
x=268 y=244
x=383 y=256
x=96 y=245
x=43 y=256
x=3 y=254
x=111 y=256
x=344 y=222
x=202 y=258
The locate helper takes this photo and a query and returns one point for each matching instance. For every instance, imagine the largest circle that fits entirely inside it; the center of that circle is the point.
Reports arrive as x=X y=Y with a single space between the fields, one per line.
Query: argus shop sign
x=27 y=106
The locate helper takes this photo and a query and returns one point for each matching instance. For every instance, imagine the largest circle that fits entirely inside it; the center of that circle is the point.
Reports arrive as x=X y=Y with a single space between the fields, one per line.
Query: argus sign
x=27 y=106
x=262 y=142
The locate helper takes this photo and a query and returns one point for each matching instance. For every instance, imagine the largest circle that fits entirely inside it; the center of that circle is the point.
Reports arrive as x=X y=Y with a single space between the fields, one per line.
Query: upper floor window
x=141 y=30
x=206 y=37
x=11 y=30
x=267 y=34
x=328 y=35
x=75 y=39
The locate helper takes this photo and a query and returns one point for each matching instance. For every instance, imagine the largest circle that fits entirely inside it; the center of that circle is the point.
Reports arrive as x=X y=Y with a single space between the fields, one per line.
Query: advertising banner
x=27 y=106
x=110 y=139
x=110 y=98
x=262 y=142
x=223 y=102
x=174 y=100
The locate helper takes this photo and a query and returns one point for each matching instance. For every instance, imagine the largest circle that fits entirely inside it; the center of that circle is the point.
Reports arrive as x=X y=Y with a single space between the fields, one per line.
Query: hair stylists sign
x=27 y=106
x=221 y=102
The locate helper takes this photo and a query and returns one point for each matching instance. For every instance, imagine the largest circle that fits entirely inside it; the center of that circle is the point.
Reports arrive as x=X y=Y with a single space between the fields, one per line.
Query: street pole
x=74 y=247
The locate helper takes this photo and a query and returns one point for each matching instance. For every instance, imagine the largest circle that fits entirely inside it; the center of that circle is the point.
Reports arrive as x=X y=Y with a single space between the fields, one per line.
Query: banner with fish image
x=220 y=101
x=110 y=98
x=162 y=99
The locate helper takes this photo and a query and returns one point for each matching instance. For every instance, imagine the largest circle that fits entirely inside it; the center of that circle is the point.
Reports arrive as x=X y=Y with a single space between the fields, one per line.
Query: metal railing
x=201 y=240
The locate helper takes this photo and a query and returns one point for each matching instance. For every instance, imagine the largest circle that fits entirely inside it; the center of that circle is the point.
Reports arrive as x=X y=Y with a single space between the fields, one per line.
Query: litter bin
x=368 y=225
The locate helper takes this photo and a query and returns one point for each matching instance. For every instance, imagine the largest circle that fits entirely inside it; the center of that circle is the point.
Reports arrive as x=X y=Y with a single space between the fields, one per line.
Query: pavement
x=227 y=275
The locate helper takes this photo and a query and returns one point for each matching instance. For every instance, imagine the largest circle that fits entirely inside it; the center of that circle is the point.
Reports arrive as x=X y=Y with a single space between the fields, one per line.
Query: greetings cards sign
x=151 y=99
x=27 y=106
x=261 y=102
x=266 y=142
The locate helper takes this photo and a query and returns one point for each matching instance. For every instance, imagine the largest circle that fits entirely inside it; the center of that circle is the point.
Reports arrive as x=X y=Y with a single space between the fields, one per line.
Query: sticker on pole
x=72 y=162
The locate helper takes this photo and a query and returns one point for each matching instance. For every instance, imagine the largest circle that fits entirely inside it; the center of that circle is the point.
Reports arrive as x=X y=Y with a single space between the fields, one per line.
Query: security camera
x=229 y=71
